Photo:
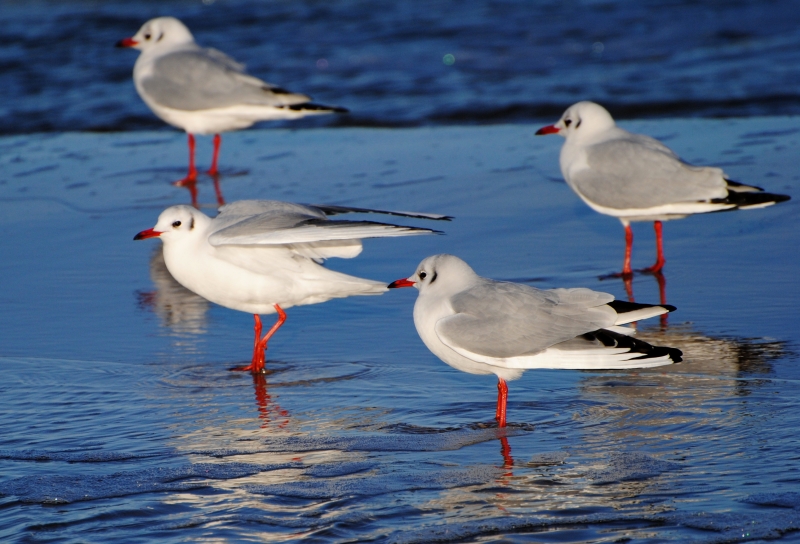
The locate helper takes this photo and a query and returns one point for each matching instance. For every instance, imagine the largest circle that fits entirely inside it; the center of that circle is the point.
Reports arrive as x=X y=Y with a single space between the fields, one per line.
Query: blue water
x=121 y=421
x=513 y=60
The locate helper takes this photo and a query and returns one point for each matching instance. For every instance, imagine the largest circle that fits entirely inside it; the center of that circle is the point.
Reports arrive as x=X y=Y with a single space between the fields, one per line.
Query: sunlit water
x=121 y=420
x=416 y=61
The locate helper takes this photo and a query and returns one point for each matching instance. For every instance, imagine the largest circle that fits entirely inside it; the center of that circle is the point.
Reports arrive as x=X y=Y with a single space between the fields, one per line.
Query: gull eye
x=422 y=275
x=176 y=224
x=147 y=36
x=567 y=122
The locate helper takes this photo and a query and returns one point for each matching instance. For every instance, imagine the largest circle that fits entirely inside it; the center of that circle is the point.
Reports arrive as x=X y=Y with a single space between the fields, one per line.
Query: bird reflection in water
x=183 y=312
x=627 y=281
x=269 y=412
x=180 y=310
x=191 y=186
x=505 y=450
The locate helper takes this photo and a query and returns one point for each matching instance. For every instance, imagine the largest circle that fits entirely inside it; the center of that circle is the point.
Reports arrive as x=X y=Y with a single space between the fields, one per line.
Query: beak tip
x=145 y=234
x=126 y=42
x=400 y=283
x=549 y=129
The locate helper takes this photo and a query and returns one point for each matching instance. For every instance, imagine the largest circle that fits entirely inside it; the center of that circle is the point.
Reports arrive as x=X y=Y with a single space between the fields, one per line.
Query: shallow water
x=122 y=422
x=512 y=60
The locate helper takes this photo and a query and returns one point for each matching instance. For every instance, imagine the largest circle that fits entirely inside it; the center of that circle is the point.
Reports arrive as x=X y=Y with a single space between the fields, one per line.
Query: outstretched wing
x=270 y=222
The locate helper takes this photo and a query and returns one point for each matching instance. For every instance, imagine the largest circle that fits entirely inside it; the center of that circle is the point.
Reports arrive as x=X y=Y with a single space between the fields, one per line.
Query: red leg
x=662 y=291
x=626 y=266
x=659 y=250
x=260 y=347
x=191 y=176
x=217 y=141
x=502 y=399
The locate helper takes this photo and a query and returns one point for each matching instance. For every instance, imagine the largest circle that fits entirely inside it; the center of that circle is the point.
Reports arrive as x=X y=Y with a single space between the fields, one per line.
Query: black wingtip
x=622 y=307
x=310 y=106
x=745 y=199
x=648 y=351
x=332 y=209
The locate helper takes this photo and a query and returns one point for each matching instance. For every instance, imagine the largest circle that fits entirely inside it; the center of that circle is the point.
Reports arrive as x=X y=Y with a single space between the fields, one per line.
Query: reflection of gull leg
x=217 y=190
x=265 y=404
x=502 y=399
x=191 y=176
x=260 y=345
x=505 y=449
x=628 y=282
x=217 y=141
x=659 y=250
x=662 y=290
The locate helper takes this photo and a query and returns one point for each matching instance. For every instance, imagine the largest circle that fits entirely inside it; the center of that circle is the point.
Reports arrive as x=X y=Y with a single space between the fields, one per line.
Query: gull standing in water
x=636 y=178
x=262 y=256
x=482 y=326
x=204 y=91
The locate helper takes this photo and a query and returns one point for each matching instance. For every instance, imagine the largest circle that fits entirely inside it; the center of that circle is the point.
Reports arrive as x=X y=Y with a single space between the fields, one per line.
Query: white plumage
x=202 y=90
x=636 y=178
x=262 y=256
x=482 y=326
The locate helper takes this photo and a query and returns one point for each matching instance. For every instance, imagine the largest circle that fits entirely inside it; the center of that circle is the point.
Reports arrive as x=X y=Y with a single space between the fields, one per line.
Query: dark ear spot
x=578 y=124
x=191 y=225
x=160 y=36
x=435 y=275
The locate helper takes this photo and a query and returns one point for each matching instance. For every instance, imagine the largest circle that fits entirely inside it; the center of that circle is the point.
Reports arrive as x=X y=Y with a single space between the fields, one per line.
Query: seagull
x=637 y=178
x=482 y=326
x=263 y=256
x=204 y=91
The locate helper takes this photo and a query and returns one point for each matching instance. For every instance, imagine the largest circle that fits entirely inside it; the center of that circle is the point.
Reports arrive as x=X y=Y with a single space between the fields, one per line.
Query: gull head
x=441 y=275
x=581 y=120
x=176 y=223
x=158 y=32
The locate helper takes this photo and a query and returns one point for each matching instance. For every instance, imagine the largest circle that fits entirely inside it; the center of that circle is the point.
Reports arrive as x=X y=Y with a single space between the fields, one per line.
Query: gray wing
x=499 y=319
x=639 y=172
x=201 y=79
x=271 y=222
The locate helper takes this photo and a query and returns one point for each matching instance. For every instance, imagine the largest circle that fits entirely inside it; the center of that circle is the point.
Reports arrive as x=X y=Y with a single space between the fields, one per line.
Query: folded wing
x=501 y=320
x=200 y=79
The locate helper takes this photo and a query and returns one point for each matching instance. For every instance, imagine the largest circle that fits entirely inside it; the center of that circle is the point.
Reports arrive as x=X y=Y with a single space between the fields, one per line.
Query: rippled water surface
x=122 y=422
x=417 y=61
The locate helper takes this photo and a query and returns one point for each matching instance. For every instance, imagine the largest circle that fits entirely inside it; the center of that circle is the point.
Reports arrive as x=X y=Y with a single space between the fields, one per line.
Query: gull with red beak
x=263 y=256
x=482 y=326
x=636 y=178
x=203 y=91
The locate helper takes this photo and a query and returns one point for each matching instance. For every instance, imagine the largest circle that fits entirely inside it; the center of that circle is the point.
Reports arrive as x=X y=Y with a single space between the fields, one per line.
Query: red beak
x=400 y=283
x=126 y=42
x=549 y=129
x=149 y=233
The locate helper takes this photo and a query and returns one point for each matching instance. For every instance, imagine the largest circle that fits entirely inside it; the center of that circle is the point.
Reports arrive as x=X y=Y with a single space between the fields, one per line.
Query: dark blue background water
x=515 y=60
x=119 y=418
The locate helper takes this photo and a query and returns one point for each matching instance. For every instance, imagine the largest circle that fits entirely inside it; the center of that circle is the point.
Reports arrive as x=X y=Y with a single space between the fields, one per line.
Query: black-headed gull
x=482 y=326
x=261 y=256
x=203 y=91
x=637 y=178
